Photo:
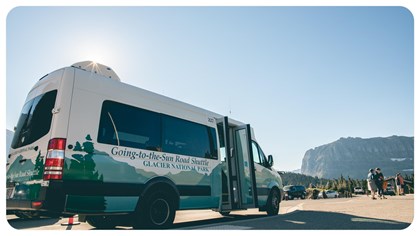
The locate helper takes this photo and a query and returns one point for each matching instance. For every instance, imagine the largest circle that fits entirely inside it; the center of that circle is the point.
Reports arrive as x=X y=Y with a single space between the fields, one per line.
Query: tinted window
x=129 y=126
x=124 y=125
x=220 y=131
x=213 y=142
x=262 y=156
x=188 y=138
x=255 y=153
x=35 y=119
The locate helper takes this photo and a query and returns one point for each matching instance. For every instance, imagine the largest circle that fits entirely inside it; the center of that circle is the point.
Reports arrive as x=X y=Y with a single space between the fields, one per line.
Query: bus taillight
x=54 y=162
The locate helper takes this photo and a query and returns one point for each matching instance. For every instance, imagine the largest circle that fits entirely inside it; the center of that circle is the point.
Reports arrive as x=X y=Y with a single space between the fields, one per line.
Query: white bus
x=115 y=154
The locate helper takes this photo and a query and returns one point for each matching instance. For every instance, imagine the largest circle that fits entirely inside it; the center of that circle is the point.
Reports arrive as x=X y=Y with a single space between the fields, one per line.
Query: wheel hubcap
x=275 y=201
x=159 y=211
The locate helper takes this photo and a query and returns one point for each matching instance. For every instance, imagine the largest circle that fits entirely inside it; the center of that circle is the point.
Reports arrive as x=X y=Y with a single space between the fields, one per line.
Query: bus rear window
x=35 y=119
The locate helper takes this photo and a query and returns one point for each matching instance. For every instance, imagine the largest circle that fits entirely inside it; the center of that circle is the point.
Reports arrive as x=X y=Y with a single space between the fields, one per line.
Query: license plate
x=10 y=192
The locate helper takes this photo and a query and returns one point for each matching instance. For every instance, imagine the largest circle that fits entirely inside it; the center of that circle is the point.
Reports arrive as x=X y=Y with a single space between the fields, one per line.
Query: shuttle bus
x=115 y=154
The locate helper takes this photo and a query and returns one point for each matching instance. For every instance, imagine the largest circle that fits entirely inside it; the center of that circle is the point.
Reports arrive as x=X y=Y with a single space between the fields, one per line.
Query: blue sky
x=301 y=76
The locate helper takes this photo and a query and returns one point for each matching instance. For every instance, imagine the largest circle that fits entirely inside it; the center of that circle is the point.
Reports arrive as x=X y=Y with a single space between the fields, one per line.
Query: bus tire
x=101 y=222
x=156 y=212
x=273 y=203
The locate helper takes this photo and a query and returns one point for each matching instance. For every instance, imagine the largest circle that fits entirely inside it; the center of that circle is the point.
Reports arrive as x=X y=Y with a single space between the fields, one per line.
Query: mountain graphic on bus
x=91 y=164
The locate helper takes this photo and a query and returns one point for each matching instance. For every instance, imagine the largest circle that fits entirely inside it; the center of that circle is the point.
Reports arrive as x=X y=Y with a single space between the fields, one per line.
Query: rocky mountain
x=353 y=157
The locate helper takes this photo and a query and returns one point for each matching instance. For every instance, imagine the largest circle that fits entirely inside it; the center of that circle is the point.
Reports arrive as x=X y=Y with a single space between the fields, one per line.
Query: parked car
x=359 y=190
x=328 y=193
x=294 y=191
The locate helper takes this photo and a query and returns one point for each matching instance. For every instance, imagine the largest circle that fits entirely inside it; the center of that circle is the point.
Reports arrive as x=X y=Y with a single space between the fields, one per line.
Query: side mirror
x=270 y=160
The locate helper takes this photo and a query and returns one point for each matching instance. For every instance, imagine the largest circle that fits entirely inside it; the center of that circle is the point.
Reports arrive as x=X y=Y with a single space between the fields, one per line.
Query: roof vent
x=97 y=68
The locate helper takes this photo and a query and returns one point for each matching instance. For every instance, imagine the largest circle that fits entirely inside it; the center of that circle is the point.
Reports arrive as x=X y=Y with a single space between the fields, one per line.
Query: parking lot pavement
x=359 y=212
x=397 y=208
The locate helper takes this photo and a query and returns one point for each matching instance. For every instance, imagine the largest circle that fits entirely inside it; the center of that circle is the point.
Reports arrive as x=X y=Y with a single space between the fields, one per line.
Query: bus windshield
x=35 y=119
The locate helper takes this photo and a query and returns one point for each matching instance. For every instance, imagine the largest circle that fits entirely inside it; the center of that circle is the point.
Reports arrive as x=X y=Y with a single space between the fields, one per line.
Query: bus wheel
x=101 y=222
x=157 y=211
x=273 y=203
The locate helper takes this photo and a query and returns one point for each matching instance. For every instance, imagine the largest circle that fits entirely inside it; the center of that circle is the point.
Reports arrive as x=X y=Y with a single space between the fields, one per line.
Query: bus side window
x=221 y=142
x=188 y=138
x=129 y=126
x=255 y=153
x=213 y=142
x=264 y=160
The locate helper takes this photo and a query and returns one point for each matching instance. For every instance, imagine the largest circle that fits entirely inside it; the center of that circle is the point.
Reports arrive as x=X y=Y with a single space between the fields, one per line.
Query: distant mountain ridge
x=353 y=157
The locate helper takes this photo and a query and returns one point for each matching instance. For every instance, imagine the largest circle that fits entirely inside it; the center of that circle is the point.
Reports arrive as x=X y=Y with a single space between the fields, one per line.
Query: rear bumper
x=48 y=201
x=18 y=205
x=74 y=197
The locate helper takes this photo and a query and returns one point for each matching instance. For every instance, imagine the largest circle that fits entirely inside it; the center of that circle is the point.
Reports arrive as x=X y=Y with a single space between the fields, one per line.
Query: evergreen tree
x=350 y=185
x=341 y=184
x=328 y=185
x=39 y=166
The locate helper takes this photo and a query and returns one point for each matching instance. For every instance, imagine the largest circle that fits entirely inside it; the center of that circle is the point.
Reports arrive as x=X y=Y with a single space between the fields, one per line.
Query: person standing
x=400 y=184
x=371 y=183
x=379 y=181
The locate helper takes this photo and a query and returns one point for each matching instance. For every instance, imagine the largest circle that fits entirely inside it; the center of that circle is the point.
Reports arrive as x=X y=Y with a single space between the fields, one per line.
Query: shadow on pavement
x=19 y=223
x=299 y=220
x=230 y=218
x=302 y=220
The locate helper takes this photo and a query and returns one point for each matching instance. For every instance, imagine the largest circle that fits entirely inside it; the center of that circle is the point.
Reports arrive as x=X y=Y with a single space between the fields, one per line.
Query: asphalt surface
x=360 y=212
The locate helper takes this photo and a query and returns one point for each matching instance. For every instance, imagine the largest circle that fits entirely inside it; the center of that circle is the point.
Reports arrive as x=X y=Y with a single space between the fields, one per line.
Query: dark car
x=294 y=191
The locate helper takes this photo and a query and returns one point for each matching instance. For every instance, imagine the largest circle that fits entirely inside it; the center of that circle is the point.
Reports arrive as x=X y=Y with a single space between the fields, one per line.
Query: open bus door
x=238 y=187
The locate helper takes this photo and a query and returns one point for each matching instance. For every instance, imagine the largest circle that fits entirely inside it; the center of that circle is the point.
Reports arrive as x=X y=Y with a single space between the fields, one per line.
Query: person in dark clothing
x=379 y=181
